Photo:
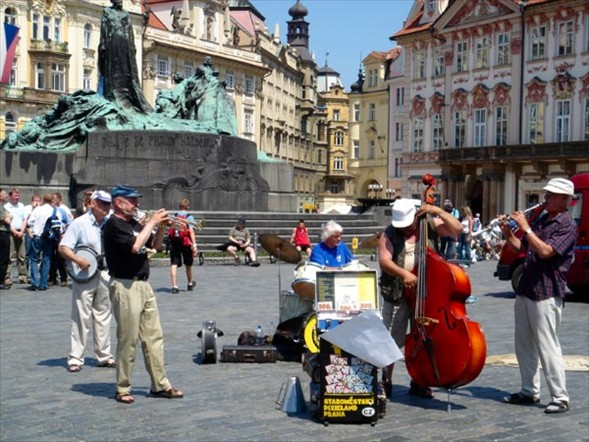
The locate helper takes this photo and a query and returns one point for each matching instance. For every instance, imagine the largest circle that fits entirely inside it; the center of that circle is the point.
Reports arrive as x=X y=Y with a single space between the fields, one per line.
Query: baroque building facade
x=497 y=97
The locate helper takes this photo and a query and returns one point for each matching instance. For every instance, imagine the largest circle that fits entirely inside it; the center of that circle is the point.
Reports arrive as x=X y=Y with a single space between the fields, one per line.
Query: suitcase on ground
x=248 y=353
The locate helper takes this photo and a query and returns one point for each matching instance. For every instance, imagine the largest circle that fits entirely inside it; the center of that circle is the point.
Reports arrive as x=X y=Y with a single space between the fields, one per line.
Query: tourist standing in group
x=5 y=220
x=91 y=308
x=35 y=202
x=448 y=243
x=465 y=237
x=549 y=246
x=17 y=237
x=57 y=262
x=132 y=297
x=182 y=246
x=300 y=238
x=41 y=247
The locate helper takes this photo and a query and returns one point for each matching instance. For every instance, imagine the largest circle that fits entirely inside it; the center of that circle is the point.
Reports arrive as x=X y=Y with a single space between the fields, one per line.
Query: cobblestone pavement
x=41 y=401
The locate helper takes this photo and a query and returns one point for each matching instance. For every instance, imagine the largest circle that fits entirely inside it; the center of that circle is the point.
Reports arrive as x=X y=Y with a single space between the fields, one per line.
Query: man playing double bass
x=398 y=258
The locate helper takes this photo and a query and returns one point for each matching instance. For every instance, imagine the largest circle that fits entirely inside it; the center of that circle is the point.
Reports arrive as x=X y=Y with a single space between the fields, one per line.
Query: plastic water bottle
x=259 y=335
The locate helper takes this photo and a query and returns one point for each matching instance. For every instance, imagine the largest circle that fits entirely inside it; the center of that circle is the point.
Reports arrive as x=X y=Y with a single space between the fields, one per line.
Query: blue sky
x=348 y=29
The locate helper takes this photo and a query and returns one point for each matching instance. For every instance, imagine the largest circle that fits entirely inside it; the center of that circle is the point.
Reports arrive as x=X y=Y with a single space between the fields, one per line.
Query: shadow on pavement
x=100 y=389
x=506 y=295
x=61 y=362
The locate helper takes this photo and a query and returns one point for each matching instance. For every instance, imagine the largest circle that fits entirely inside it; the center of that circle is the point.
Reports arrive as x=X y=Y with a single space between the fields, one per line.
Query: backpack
x=181 y=231
x=53 y=226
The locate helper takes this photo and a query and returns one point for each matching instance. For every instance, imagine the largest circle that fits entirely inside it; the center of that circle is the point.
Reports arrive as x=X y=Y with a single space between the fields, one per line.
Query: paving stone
x=41 y=401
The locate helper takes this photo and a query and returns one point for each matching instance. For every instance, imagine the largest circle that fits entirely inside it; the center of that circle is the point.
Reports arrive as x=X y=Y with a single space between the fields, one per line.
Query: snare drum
x=304 y=280
x=293 y=305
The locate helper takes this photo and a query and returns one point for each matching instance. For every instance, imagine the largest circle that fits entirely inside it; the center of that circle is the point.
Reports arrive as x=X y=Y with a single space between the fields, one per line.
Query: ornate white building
x=496 y=98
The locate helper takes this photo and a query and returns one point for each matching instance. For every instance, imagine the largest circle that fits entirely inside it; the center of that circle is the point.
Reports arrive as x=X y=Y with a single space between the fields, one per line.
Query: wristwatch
x=528 y=232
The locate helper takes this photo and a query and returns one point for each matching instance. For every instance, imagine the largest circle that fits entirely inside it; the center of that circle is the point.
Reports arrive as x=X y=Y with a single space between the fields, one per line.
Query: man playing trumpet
x=132 y=297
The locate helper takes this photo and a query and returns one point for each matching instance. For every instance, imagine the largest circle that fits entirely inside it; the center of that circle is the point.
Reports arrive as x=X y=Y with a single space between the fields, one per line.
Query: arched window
x=87 y=36
x=10 y=122
x=10 y=16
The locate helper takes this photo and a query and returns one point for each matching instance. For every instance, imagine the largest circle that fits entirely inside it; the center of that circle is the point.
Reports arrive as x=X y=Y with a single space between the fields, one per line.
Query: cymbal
x=280 y=248
x=371 y=242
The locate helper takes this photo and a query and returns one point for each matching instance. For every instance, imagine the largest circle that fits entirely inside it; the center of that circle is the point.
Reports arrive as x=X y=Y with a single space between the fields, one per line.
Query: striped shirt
x=544 y=278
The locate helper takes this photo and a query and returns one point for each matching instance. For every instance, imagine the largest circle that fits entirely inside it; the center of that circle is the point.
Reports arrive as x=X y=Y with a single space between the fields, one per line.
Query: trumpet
x=496 y=221
x=176 y=220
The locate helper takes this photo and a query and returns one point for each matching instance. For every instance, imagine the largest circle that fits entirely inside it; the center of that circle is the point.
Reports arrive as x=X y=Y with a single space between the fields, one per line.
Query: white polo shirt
x=39 y=217
x=84 y=231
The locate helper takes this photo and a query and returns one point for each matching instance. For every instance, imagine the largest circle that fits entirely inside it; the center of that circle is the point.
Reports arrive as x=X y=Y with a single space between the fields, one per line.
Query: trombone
x=176 y=220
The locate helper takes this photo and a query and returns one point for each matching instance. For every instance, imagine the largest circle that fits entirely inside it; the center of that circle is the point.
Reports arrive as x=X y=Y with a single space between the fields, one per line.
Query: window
x=563 y=116
x=248 y=123
x=398 y=162
x=372 y=77
x=355 y=149
x=58 y=77
x=10 y=122
x=398 y=131
x=320 y=156
x=438 y=132
x=460 y=128
x=334 y=188
x=480 y=127
x=39 y=76
x=10 y=16
x=338 y=138
x=36 y=24
x=57 y=29
x=419 y=66
x=371 y=150
x=536 y=118
x=586 y=119
x=87 y=36
x=249 y=84
x=565 y=38
x=356 y=111
x=482 y=49
x=336 y=115
x=501 y=126
x=13 y=70
x=87 y=80
x=538 y=43
x=461 y=56
x=230 y=79
x=188 y=69
x=338 y=163
x=418 y=135
x=502 y=49
x=371 y=112
x=46 y=27
x=162 y=67
x=439 y=65
x=400 y=94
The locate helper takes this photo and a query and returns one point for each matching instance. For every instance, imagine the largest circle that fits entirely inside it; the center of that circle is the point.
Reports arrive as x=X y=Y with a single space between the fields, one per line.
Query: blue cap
x=125 y=191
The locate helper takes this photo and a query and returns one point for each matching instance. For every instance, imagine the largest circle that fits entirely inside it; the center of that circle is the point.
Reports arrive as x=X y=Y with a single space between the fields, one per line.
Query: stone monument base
x=215 y=172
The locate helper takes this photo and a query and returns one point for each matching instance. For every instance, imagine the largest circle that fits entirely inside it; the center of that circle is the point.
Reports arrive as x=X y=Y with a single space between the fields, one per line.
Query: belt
x=140 y=278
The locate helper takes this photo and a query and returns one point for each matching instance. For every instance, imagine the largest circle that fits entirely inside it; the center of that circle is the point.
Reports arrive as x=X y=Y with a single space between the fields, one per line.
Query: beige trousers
x=91 y=308
x=137 y=317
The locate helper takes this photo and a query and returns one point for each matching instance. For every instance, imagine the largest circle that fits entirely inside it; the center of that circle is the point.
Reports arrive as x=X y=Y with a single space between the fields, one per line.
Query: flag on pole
x=8 y=41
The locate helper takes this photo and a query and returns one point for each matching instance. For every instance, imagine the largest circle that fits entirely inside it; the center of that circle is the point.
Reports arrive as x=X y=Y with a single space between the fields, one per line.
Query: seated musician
x=397 y=260
x=331 y=252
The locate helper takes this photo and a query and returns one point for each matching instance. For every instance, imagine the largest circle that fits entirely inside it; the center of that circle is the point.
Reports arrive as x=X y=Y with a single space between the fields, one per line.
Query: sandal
x=419 y=391
x=74 y=368
x=125 y=398
x=170 y=393
x=520 y=399
x=557 y=407
x=111 y=363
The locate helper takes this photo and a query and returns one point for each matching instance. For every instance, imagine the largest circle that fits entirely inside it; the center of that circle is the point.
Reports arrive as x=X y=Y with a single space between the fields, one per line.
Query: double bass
x=444 y=347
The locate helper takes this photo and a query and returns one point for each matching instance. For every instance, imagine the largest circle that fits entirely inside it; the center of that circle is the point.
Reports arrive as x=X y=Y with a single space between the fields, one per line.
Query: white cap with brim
x=101 y=195
x=561 y=186
x=403 y=213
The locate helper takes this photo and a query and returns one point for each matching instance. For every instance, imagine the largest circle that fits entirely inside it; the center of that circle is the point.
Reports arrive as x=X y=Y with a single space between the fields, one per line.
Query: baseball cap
x=403 y=213
x=241 y=221
x=101 y=195
x=125 y=191
x=561 y=186
x=447 y=203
